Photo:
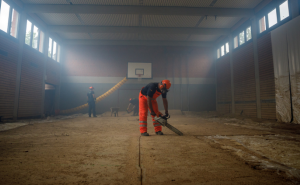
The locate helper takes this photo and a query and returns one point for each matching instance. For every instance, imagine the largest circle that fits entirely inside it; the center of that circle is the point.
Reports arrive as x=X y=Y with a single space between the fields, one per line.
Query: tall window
x=235 y=42
x=50 y=48
x=4 y=16
x=242 y=37
x=218 y=53
x=35 y=37
x=41 y=42
x=272 y=18
x=54 y=51
x=227 y=47
x=248 y=34
x=284 y=10
x=28 y=33
x=262 y=24
x=222 y=50
x=58 y=53
x=14 y=23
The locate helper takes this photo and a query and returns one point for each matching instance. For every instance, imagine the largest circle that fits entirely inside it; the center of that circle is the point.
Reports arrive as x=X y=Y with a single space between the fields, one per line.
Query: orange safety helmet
x=130 y=99
x=91 y=87
x=165 y=84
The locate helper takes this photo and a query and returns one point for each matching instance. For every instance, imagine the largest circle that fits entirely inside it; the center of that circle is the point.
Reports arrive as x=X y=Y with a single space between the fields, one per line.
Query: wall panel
x=223 y=85
x=266 y=76
x=30 y=100
x=244 y=81
x=8 y=72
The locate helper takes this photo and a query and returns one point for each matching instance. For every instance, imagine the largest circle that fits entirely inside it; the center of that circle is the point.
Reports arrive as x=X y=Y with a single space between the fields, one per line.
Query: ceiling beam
x=142 y=10
x=136 y=42
x=145 y=30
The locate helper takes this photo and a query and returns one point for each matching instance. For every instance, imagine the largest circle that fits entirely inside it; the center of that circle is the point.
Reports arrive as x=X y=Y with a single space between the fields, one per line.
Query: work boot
x=159 y=133
x=145 y=134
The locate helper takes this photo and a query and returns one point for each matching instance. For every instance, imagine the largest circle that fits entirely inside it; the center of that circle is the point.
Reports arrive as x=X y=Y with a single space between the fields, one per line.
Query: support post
x=58 y=88
x=21 y=36
x=256 y=65
x=181 y=100
x=188 y=80
x=231 y=73
x=45 y=51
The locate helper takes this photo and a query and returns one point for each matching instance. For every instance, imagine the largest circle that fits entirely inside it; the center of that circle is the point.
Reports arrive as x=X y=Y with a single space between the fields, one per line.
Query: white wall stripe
x=92 y=79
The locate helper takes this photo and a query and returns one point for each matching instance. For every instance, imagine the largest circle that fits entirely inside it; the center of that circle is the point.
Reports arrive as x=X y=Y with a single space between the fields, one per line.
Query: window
x=28 y=33
x=58 y=53
x=227 y=47
x=218 y=53
x=284 y=10
x=9 y=19
x=41 y=42
x=54 y=51
x=242 y=37
x=235 y=42
x=272 y=18
x=4 y=16
x=222 y=50
x=248 y=34
x=14 y=23
x=35 y=37
x=50 y=48
x=262 y=24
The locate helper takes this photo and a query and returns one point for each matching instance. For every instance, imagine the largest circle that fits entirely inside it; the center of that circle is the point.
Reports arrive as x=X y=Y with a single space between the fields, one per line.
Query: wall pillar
x=21 y=37
x=45 y=50
x=295 y=8
x=254 y=26
x=58 y=87
x=231 y=73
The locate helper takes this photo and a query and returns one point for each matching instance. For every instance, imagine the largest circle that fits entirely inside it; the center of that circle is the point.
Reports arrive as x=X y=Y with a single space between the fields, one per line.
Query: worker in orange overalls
x=147 y=99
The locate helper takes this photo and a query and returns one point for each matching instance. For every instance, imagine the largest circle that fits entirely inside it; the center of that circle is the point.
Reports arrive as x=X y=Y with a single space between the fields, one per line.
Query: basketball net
x=139 y=78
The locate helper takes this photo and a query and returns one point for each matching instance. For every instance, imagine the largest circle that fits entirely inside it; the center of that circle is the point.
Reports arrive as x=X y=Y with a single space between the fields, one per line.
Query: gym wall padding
x=8 y=72
x=30 y=100
x=266 y=77
x=224 y=102
x=244 y=80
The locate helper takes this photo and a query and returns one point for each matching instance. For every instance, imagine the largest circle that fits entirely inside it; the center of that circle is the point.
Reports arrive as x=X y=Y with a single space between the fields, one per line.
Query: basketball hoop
x=139 y=78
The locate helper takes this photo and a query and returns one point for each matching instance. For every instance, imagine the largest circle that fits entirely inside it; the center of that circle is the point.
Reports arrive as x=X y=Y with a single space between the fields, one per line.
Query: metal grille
x=219 y=22
x=45 y=1
x=169 y=21
x=75 y=35
x=188 y=3
x=60 y=19
x=106 y=2
x=115 y=36
x=110 y=19
x=203 y=37
x=237 y=3
x=169 y=37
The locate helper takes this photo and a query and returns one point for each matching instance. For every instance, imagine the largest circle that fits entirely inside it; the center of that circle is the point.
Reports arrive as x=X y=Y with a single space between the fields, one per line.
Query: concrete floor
x=109 y=150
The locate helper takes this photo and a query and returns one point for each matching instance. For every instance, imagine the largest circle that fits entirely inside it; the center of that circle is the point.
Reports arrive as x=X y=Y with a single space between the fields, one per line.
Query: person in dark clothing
x=135 y=103
x=91 y=101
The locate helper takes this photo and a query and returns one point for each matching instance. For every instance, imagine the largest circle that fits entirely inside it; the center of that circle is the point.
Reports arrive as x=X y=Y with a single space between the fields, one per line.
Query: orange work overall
x=144 y=112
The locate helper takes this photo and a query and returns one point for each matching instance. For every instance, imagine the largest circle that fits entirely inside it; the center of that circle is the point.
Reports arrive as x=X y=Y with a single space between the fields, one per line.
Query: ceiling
x=172 y=21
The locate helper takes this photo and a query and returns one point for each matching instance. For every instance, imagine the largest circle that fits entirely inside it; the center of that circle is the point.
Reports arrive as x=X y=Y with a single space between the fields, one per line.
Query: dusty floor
x=109 y=150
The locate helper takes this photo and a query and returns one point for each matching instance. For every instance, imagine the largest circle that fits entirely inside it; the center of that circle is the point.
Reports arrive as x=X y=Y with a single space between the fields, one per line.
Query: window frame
x=39 y=36
x=237 y=35
x=265 y=11
x=11 y=7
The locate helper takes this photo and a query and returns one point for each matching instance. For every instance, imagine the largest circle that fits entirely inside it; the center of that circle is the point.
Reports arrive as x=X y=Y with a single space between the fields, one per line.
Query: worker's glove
x=153 y=114
x=159 y=114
